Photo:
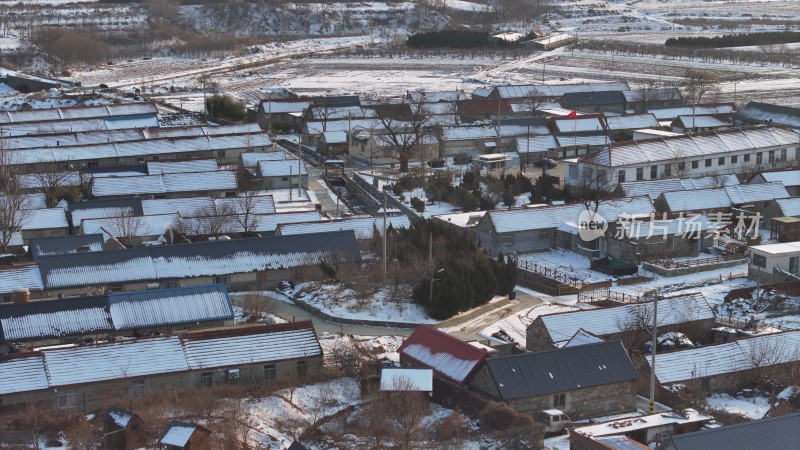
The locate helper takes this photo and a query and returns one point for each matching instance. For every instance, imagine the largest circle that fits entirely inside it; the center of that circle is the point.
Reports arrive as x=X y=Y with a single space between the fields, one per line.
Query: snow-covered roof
x=195 y=259
x=284 y=107
x=737 y=356
x=127 y=226
x=593 y=140
x=22 y=373
x=579 y=124
x=510 y=36
x=469 y=133
x=536 y=144
x=553 y=38
x=524 y=219
x=671 y=112
x=127 y=359
x=786 y=177
x=765 y=112
x=45 y=180
x=119 y=417
x=654 y=188
x=219 y=180
x=464 y=220
x=632 y=122
x=160 y=307
x=334 y=137
x=777 y=249
x=54 y=318
x=724 y=197
x=178 y=434
x=649 y=95
x=343 y=125
x=555 y=90
x=24 y=277
x=702 y=144
x=446 y=355
x=636 y=229
x=233 y=348
x=790 y=207
x=420 y=380
x=607 y=321
x=80 y=215
x=362 y=226
x=629 y=424
x=198 y=165
x=251 y=159
x=702 y=122
x=79 y=112
x=582 y=337
x=282 y=168
x=44 y=219
x=746 y=193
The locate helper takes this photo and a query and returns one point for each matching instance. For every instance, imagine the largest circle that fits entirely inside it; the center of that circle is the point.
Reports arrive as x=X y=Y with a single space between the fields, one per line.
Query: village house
x=39 y=223
x=450 y=358
x=80 y=377
x=75 y=319
x=241 y=264
x=731 y=366
x=684 y=124
x=365 y=228
x=518 y=93
x=666 y=114
x=595 y=102
x=283 y=114
x=689 y=313
x=653 y=239
x=583 y=381
x=185 y=436
x=281 y=174
x=757 y=113
x=622 y=127
x=654 y=188
x=774 y=263
x=477 y=109
x=749 y=199
x=774 y=432
x=98 y=209
x=530 y=229
x=333 y=143
x=790 y=178
x=20 y=282
x=218 y=183
x=143 y=113
x=697 y=154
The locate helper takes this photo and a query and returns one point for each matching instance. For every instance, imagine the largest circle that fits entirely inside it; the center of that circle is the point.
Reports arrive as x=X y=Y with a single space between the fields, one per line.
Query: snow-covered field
x=753 y=408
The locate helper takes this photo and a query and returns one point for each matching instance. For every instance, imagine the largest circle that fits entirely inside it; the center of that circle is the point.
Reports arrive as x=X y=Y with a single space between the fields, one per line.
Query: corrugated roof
x=153 y=308
x=59 y=245
x=632 y=122
x=54 y=318
x=22 y=373
x=790 y=207
x=218 y=180
x=196 y=259
x=76 y=112
x=746 y=193
x=787 y=177
x=198 y=165
x=536 y=144
x=524 y=219
x=448 y=356
x=583 y=337
x=671 y=112
x=782 y=432
x=178 y=434
x=720 y=359
x=574 y=99
x=362 y=226
x=236 y=347
x=560 y=370
x=607 y=321
x=702 y=122
x=765 y=112
x=25 y=277
x=44 y=219
x=251 y=159
x=282 y=168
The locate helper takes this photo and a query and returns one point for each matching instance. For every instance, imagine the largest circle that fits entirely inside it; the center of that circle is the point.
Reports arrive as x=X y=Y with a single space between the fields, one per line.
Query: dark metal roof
x=560 y=370
x=594 y=98
x=337 y=100
x=781 y=432
x=58 y=245
x=134 y=203
x=54 y=318
x=296 y=445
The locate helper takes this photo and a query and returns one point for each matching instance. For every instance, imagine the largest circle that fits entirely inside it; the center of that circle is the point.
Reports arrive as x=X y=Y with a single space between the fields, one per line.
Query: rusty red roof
x=448 y=356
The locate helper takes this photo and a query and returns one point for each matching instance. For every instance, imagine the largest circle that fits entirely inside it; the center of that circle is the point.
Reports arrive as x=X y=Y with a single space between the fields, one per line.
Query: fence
x=695 y=262
x=603 y=295
x=552 y=282
x=553 y=274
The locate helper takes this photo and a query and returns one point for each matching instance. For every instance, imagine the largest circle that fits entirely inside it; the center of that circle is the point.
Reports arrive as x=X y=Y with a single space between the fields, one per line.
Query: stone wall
x=585 y=403
x=680 y=271
x=537 y=337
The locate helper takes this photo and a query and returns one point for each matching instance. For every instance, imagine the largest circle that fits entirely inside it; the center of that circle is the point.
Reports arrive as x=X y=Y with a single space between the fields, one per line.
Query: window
x=560 y=401
x=759 y=261
x=695 y=164
x=6 y=298
x=221 y=279
x=721 y=161
x=681 y=165
x=639 y=174
x=771 y=156
x=508 y=240
x=221 y=154
x=794 y=264
x=136 y=388
x=302 y=368
x=207 y=379
x=653 y=172
x=734 y=159
x=667 y=170
x=621 y=176
x=705 y=384
x=269 y=372
x=298 y=274
x=170 y=284
x=68 y=400
x=759 y=158
x=747 y=157
x=140 y=160
x=573 y=171
x=545 y=235
x=92 y=164
x=708 y=162
x=783 y=154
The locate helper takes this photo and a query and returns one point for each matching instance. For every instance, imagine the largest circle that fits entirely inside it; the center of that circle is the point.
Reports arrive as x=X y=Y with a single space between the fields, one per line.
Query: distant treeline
x=456 y=38
x=735 y=40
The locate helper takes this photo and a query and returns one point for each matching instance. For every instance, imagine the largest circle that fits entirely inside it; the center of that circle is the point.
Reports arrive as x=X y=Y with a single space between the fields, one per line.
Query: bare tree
x=594 y=187
x=645 y=95
x=52 y=179
x=696 y=84
x=14 y=204
x=126 y=227
x=533 y=100
x=407 y=409
x=406 y=127
x=324 y=109
x=246 y=212
x=212 y=220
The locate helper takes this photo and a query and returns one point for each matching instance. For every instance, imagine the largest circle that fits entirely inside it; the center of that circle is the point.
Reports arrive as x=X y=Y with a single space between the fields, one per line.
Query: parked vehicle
x=554 y=421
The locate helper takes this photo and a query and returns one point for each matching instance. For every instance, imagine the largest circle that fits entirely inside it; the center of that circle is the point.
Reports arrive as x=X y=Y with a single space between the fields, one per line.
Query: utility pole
x=291 y=172
x=430 y=265
x=384 y=236
x=653 y=358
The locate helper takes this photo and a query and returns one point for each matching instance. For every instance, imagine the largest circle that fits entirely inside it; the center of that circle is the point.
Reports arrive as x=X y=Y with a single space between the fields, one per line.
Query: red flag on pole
x=572 y=114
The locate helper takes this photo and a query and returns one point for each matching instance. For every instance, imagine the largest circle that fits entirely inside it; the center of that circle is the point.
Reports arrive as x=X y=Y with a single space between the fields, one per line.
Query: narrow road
x=294 y=313
x=468 y=330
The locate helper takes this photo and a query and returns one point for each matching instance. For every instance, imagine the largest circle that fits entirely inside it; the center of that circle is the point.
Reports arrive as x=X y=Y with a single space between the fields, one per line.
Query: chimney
x=22 y=295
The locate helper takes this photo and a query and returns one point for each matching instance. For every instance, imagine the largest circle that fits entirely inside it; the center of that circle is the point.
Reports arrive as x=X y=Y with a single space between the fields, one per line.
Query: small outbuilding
x=123 y=430
x=187 y=436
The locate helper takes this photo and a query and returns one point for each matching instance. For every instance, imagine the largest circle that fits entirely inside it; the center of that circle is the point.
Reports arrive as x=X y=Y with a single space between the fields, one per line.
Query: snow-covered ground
x=515 y=325
x=753 y=408
x=564 y=262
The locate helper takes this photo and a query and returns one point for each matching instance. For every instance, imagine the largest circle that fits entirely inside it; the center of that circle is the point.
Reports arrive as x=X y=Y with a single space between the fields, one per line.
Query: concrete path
x=291 y=312
x=467 y=327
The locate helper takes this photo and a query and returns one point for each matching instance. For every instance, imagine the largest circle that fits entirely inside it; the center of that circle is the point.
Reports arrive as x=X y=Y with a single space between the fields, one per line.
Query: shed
x=123 y=430
x=449 y=357
x=775 y=432
x=419 y=380
x=185 y=436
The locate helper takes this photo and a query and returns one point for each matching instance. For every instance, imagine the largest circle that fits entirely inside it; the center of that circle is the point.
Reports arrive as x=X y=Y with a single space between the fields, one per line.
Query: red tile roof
x=448 y=356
